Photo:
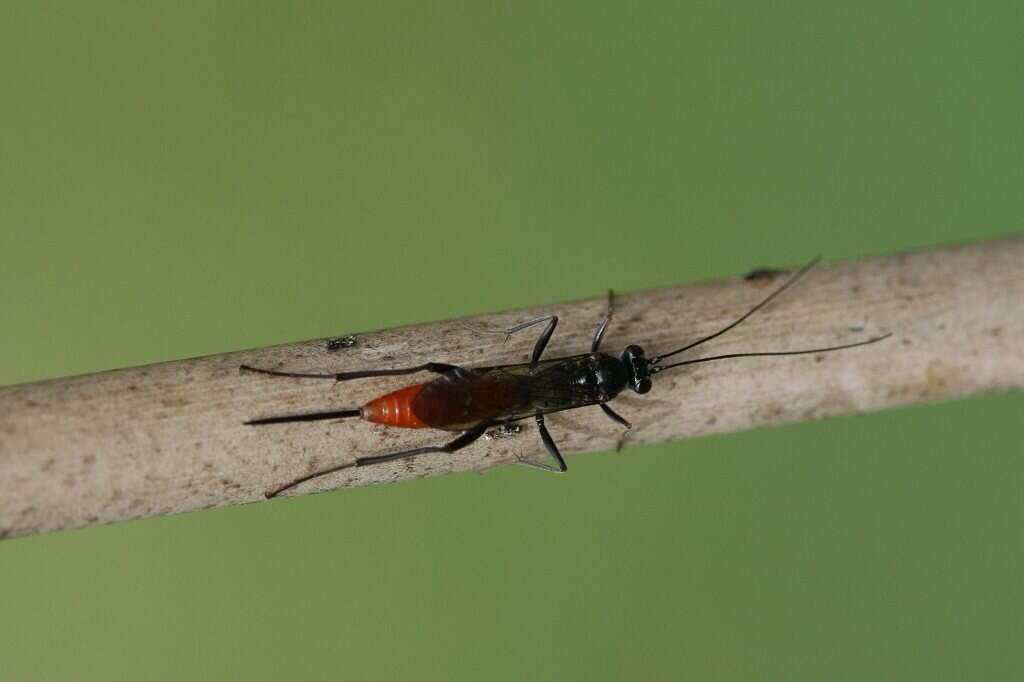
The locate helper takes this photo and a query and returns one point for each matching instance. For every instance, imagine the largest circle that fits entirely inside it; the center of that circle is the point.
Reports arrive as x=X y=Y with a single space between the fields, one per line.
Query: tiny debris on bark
x=339 y=342
x=503 y=431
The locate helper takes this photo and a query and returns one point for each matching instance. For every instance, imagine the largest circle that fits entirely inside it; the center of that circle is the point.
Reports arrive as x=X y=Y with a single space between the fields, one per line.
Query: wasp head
x=637 y=369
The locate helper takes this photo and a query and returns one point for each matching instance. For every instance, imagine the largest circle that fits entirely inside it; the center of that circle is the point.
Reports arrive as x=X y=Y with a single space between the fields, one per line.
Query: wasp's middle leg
x=545 y=335
x=549 y=445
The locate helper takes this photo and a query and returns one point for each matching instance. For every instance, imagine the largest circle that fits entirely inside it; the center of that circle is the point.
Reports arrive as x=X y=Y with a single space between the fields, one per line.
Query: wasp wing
x=463 y=399
x=549 y=386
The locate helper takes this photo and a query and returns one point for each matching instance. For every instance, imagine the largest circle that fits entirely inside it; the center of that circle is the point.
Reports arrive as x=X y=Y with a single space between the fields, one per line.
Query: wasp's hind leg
x=457 y=444
x=435 y=367
x=449 y=447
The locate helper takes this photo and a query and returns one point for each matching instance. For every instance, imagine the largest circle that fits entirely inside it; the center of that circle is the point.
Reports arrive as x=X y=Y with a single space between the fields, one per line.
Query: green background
x=179 y=179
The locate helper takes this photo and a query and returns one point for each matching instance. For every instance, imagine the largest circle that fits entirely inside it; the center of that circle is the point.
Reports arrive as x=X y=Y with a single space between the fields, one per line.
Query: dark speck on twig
x=339 y=342
x=763 y=274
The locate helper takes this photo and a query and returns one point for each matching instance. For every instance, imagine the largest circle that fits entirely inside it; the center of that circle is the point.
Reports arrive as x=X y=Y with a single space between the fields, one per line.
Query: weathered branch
x=170 y=438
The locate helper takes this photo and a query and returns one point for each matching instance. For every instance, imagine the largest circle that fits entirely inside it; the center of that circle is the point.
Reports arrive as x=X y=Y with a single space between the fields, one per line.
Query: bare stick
x=171 y=437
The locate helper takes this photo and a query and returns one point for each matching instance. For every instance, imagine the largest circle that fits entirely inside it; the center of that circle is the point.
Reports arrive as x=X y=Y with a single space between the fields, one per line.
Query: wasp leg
x=615 y=416
x=435 y=367
x=449 y=447
x=308 y=477
x=545 y=335
x=549 y=444
x=457 y=444
x=599 y=334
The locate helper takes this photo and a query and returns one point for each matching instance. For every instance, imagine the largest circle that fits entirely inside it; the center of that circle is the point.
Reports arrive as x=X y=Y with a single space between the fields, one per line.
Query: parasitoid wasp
x=472 y=400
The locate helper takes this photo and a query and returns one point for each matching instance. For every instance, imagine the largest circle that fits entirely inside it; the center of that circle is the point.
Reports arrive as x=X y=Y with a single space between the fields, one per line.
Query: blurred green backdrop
x=179 y=179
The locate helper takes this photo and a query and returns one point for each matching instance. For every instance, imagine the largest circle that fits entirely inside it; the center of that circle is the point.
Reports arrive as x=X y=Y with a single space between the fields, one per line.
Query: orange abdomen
x=395 y=408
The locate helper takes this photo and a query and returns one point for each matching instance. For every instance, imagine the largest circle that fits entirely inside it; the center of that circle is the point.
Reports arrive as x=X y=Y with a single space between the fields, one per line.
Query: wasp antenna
x=790 y=282
x=807 y=351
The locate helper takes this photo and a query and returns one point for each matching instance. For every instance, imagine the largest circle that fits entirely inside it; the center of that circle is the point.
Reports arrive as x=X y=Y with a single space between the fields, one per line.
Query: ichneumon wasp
x=474 y=399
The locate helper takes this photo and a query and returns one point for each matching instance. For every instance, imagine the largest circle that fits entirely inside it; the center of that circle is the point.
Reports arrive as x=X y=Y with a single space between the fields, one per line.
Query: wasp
x=471 y=400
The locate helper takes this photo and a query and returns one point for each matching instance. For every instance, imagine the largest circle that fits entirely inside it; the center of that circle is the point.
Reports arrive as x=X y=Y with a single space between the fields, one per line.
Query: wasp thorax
x=601 y=376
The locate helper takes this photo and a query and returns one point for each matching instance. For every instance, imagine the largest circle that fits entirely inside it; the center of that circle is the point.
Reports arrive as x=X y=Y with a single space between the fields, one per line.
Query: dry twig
x=169 y=438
